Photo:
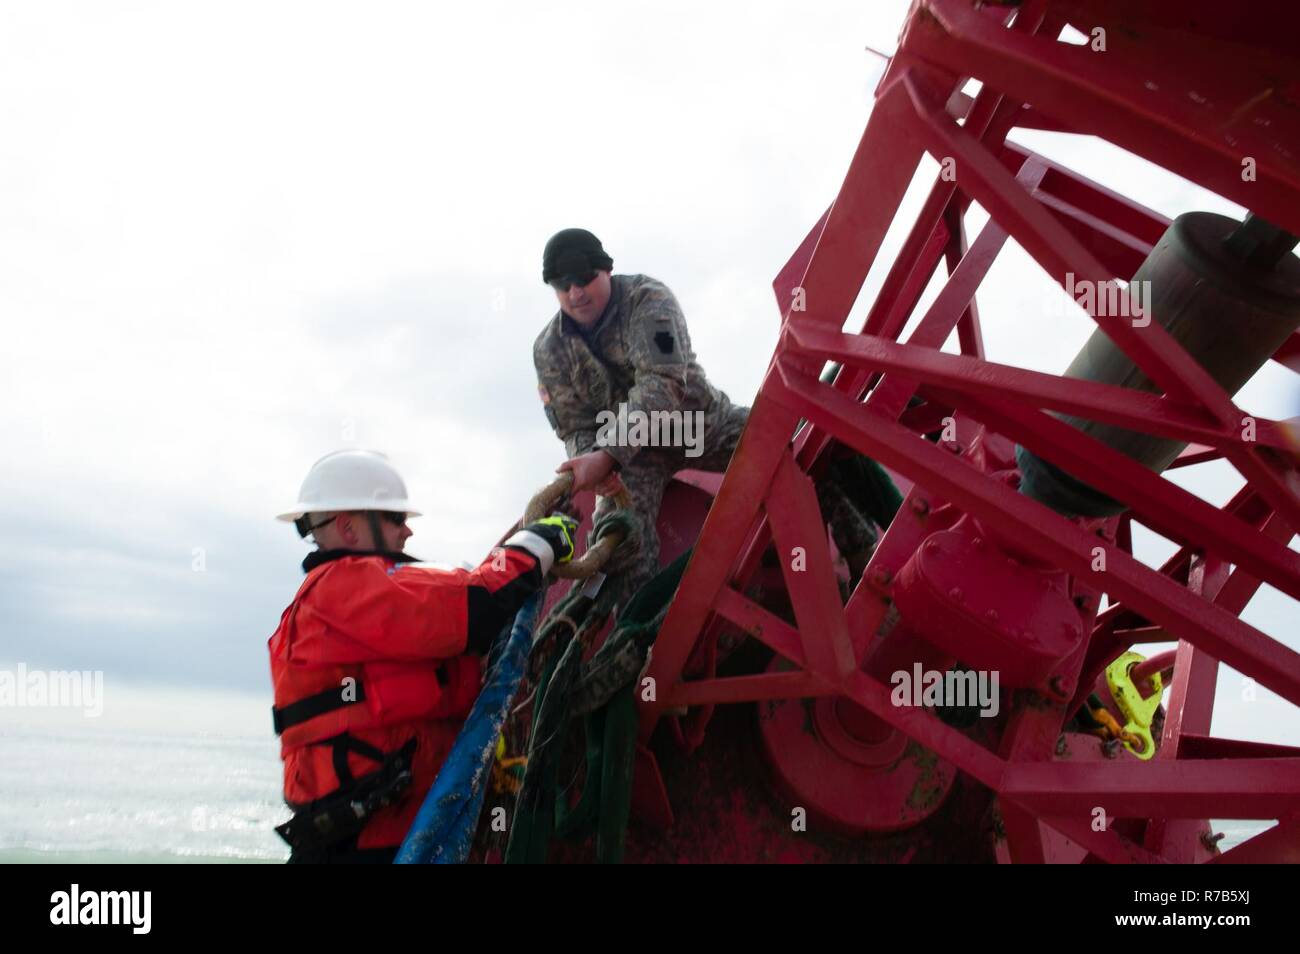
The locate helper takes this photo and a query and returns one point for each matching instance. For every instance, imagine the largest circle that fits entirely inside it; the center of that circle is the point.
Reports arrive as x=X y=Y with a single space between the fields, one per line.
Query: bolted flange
x=851 y=771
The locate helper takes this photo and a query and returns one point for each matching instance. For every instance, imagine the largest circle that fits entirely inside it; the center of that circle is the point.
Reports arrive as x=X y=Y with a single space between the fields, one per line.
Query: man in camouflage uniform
x=619 y=345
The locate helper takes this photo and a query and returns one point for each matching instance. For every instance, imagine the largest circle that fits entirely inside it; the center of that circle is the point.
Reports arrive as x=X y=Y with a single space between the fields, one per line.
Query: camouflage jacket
x=638 y=353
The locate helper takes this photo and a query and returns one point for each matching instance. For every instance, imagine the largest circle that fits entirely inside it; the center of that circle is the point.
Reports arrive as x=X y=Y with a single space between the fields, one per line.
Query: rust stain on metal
x=929 y=782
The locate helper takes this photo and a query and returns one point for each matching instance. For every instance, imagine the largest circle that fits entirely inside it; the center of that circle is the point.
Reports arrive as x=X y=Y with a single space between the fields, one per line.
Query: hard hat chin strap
x=376 y=532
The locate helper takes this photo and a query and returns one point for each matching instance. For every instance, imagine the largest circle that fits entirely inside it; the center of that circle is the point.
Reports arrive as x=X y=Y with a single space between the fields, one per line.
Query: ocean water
x=163 y=776
x=160 y=776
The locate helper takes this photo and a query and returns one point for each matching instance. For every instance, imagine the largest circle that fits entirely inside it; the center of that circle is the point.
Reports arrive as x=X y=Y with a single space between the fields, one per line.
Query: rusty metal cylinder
x=1227 y=291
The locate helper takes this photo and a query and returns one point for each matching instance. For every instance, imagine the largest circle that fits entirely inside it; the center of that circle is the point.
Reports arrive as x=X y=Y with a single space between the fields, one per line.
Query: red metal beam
x=969 y=338
x=1160 y=504
x=1111 y=404
x=1107 y=845
x=1209 y=747
x=755 y=688
x=800 y=534
x=1161 y=358
x=1051 y=537
x=1141 y=96
x=1254 y=788
x=766 y=627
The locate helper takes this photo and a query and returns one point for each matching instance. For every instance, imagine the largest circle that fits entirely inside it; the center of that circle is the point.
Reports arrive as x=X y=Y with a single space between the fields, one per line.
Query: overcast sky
x=237 y=236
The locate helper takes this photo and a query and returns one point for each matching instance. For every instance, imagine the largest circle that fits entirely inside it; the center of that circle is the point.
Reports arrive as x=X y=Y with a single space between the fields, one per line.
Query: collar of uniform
x=320 y=557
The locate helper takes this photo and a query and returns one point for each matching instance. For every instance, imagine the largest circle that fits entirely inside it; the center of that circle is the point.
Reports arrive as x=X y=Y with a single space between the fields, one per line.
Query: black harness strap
x=328 y=701
x=326 y=824
x=344 y=743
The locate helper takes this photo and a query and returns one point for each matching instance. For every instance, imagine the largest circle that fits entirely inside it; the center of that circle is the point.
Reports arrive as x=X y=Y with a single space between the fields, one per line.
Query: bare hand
x=588 y=469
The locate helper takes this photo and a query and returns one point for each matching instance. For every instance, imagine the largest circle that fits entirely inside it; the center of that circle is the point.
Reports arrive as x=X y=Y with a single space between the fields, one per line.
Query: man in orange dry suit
x=376 y=662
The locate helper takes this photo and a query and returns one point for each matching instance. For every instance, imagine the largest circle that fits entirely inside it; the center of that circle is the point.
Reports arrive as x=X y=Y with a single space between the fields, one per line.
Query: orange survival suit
x=378 y=655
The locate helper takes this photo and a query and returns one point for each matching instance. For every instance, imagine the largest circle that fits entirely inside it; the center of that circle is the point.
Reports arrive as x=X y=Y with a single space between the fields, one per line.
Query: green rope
x=620 y=730
x=620 y=659
x=530 y=834
x=574 y=824
x=603 y=691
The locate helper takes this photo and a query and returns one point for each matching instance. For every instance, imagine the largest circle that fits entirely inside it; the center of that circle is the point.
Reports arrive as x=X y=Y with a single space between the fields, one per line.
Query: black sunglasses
x=568 y=281
x=305 y=526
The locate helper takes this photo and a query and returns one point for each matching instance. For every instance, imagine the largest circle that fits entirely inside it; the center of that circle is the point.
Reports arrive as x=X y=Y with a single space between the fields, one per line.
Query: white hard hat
x=351 y=480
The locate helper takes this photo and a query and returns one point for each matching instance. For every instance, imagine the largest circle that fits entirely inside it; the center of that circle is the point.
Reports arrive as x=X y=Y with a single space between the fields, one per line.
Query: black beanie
x=572 y=252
